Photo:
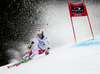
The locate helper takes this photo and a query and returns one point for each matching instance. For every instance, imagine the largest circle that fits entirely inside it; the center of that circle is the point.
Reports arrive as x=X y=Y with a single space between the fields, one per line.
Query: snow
x=74 y=59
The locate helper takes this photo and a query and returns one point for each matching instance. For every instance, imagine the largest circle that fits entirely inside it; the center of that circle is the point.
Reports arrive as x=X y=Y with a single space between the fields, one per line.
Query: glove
x=47 y=52
x=30 y=45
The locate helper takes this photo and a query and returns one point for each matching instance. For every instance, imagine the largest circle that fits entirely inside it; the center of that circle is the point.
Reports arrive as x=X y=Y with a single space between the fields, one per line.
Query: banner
x=77 y=10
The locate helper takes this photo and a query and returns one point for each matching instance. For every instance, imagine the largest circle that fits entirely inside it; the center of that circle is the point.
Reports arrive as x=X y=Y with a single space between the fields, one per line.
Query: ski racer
x=42 y=46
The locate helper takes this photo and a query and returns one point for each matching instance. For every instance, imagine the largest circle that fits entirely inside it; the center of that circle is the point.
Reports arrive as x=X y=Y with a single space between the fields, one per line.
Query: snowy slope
x=81 y=58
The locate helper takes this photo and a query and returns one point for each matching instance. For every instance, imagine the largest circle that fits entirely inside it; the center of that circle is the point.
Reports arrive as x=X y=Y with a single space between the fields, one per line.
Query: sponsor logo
x=77 y=9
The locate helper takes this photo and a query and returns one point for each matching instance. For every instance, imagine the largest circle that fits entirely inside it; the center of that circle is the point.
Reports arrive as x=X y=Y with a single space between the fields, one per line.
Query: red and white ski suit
x=40 y=48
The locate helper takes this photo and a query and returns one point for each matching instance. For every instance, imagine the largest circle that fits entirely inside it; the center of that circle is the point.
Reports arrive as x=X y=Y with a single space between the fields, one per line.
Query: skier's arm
x=33 y=41
x=48 y=47
x=48 y=44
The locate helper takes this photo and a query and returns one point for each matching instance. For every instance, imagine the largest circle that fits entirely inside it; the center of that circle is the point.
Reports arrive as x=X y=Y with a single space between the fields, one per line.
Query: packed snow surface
x=80 y=58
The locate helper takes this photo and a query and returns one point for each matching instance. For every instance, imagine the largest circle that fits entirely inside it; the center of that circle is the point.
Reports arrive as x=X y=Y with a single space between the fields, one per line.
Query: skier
x=42 y=46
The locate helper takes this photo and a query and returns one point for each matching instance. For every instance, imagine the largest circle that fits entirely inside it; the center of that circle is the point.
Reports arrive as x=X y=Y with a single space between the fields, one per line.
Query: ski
x=17 y=64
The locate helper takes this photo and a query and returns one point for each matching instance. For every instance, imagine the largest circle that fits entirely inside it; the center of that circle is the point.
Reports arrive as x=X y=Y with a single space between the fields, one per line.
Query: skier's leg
x=34 y=52
x=37 y=52
x=26 y=56
x=41 y=51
